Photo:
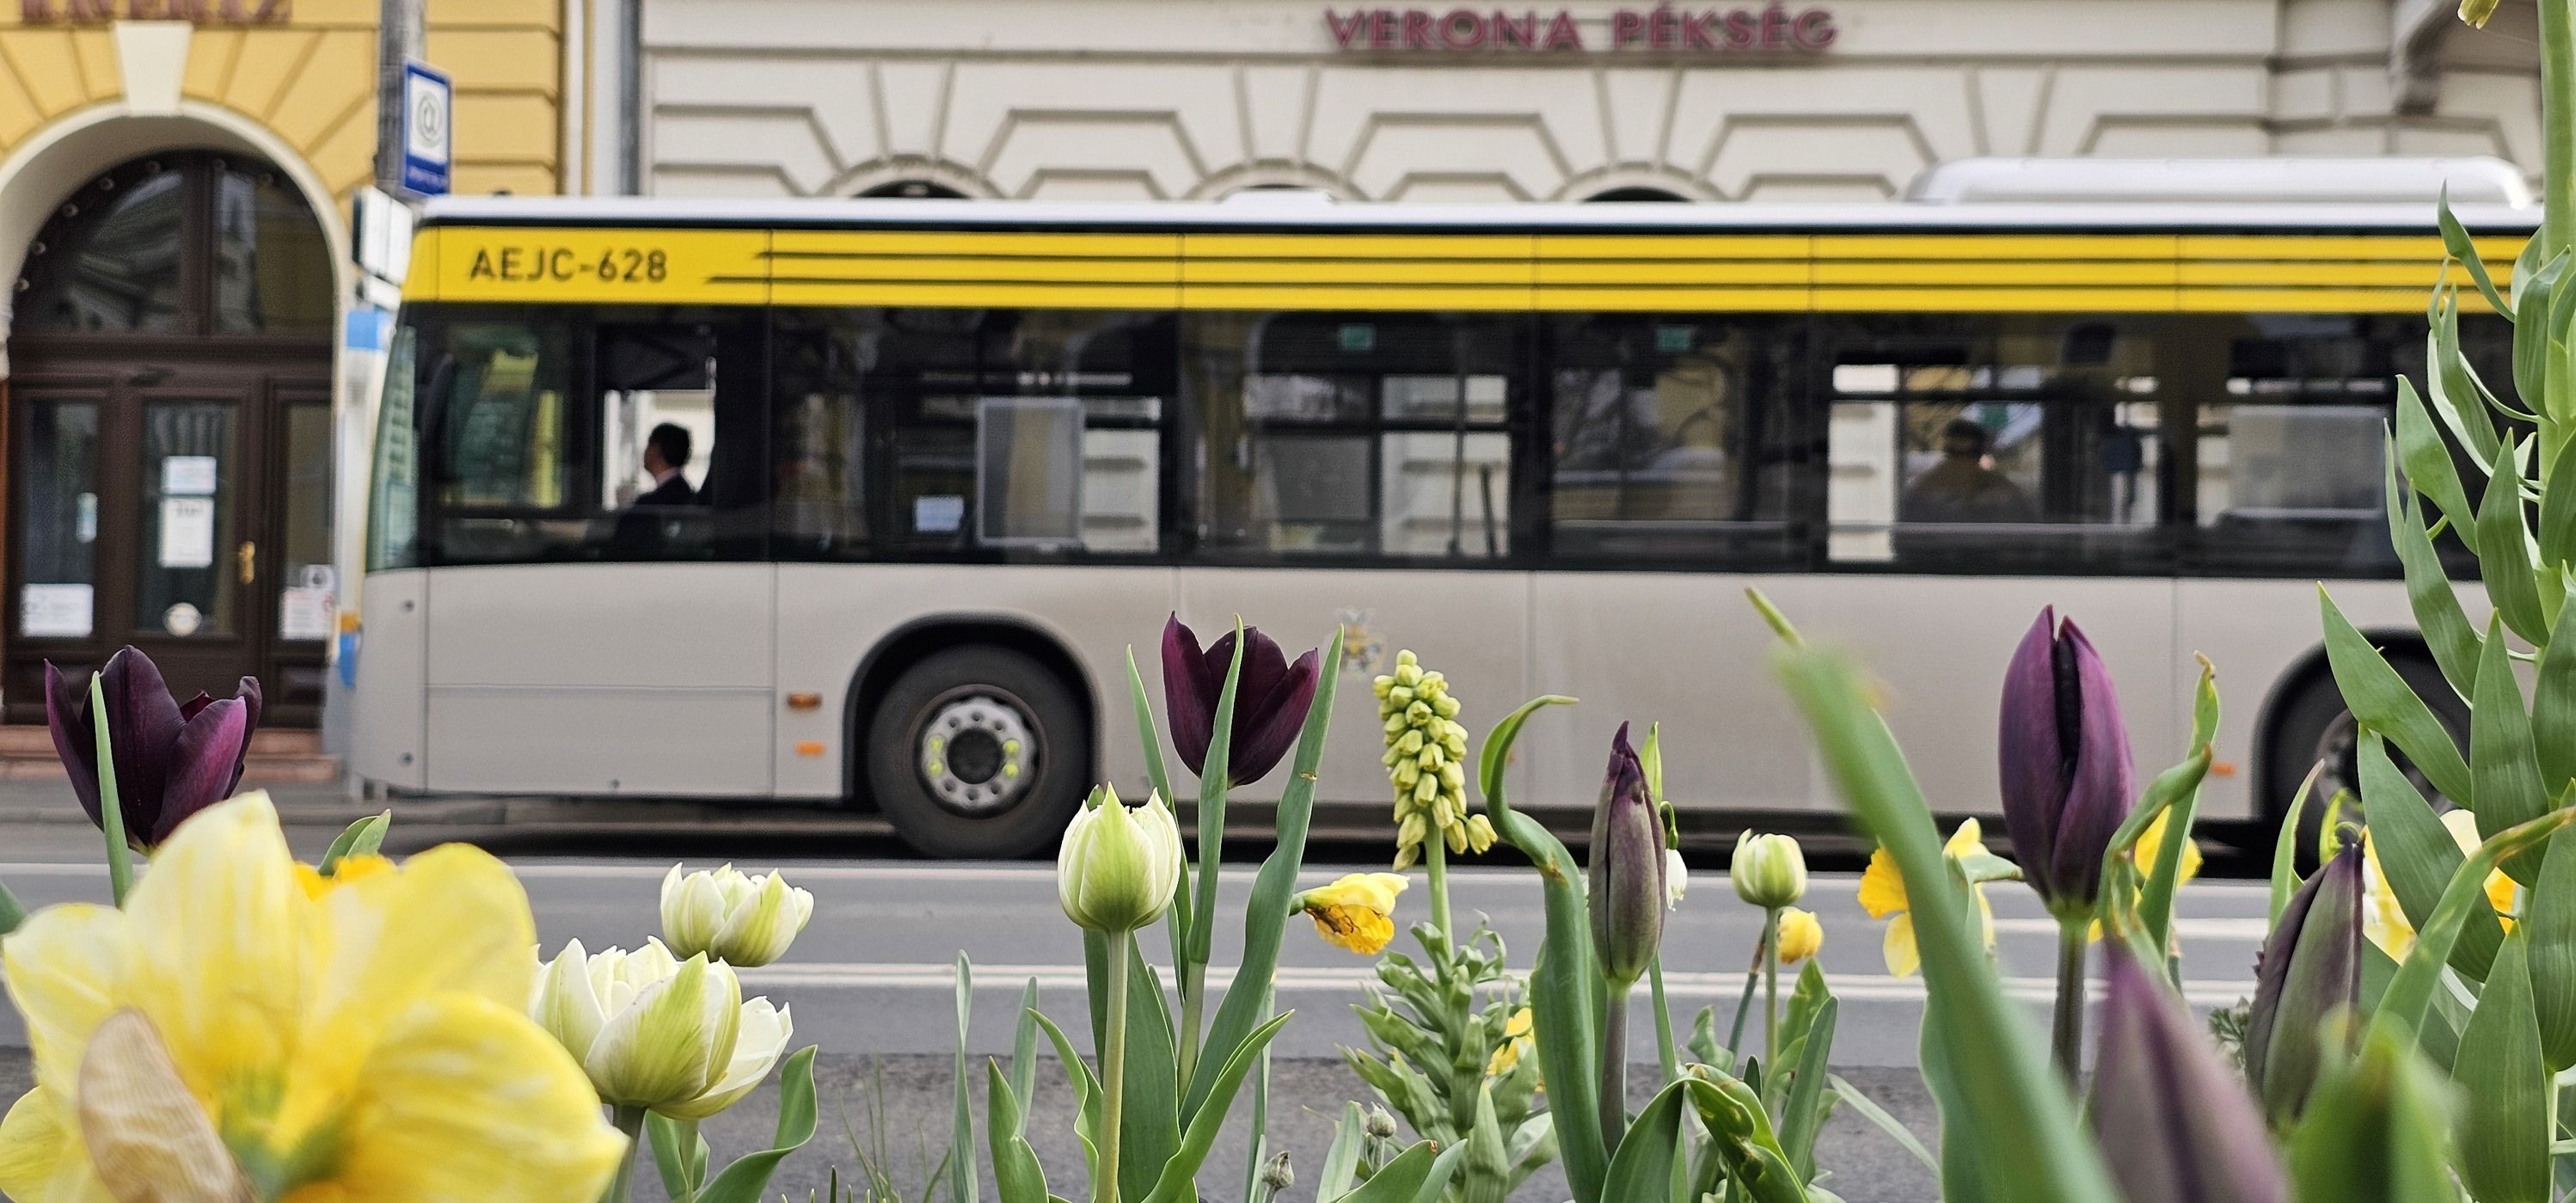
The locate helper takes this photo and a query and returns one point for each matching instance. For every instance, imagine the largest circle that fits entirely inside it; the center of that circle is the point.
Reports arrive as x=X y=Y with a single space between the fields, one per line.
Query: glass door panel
x=57 y=526
x=190 y=552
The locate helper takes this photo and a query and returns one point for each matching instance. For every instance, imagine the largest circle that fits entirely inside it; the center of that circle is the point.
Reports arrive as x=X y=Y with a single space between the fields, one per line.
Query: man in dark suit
x=641 y=533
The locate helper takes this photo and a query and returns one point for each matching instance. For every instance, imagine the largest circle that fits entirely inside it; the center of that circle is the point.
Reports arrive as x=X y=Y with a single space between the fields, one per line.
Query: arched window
x=182 y=243
x=1637 y=195
x=915 y=190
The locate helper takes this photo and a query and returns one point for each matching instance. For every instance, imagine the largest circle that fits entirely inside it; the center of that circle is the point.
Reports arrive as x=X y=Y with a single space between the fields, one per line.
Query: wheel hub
x=976 y=753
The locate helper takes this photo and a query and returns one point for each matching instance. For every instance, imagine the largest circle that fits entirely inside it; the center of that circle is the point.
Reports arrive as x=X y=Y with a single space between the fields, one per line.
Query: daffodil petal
x=465 y=1099
x=41 y=1155
x=1882 y=888
x=229 y=972
x=65 y=968
x=453 y=918
x=1902 y=957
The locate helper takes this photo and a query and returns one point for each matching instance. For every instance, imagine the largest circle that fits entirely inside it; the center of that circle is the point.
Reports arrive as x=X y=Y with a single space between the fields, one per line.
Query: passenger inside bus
x=640 y=530
x=1963 y=487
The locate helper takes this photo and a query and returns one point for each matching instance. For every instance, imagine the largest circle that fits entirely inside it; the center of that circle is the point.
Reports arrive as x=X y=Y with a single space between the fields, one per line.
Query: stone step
x=277 y=757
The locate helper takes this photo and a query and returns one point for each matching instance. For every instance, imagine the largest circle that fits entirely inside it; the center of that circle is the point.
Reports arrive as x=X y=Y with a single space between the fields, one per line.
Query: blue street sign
x=427 y=129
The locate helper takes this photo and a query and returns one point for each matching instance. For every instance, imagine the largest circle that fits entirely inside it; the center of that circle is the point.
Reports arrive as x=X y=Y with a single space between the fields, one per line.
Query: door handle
x=247 y=555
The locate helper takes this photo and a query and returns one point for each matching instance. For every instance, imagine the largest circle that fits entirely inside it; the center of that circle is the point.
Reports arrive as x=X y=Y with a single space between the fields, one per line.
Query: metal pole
x=398 y=39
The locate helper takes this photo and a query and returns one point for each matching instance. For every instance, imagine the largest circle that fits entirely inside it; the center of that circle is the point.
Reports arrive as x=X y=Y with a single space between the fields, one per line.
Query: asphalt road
x=871 y=981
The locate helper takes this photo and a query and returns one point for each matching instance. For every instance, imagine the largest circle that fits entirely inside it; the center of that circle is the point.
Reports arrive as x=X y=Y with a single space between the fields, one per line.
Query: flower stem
x=1770 y=997
x=630 y=1123
x=1668 y=1056
x=1614 y=1067
x=1435 y=861
x=12 y=912
x=2558 y=128
x=111 y=808
x=1113 y=1069
x=2066 y=1034
x=1193 y=991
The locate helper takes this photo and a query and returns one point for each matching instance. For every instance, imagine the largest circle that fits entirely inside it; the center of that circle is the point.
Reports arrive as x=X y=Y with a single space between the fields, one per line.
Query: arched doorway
x=169 y=434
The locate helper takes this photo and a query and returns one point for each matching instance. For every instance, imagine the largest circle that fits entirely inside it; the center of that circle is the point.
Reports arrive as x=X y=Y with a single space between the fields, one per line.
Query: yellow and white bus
x=945 y=461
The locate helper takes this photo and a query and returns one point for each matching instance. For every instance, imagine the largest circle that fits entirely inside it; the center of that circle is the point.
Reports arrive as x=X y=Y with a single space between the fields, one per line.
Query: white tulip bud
x=732 y=917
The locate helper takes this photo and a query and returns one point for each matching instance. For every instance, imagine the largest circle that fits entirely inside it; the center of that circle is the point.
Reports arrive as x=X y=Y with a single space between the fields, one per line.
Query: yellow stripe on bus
x=1264 y=296
x=1519 y=247
x=2150 y=247
x=788 y=244
x=1993 y=300
x=1792 y=247
x=572 y=266
x=1674 y=300
x=975 y=295
x=1674 y=271
x=1197 y=272
x=2078 y=273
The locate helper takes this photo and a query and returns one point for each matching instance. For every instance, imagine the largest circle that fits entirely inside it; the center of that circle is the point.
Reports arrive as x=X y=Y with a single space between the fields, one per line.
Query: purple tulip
x=1270 y=699
x=2065 y=758
x=2309 y=969
x=171 y=760
x=1627 y=870
x=2176 y=1123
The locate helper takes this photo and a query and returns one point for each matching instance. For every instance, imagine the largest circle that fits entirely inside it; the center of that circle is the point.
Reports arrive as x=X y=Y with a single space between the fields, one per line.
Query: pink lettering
x=35 y=12
x=1417 y=29
x=1695 y=30
x=1521 y=31
x=1381 y=30
x=1627 y=28
x=1741 y=29
x=1345 y=30
x=1775 y=25
x=1814 y=30
x=1462 y=29
x=1562 y=34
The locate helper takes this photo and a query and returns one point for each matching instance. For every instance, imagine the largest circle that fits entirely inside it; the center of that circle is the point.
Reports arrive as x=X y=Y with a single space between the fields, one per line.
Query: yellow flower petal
x=1357 y=928
x=41 y=1156
x=1902 y=957
x=1882 y=888
x=465 y=1099
x=1969 y=840
x=65 y=971
x=452 y=918
x=1800 y=935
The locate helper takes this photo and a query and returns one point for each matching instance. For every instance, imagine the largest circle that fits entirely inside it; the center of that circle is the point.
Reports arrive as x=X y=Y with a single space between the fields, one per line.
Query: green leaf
x=2454 y=391
x=1342 y=1158
x=2401 y=1011
x=2553 y=696
x=1416 y=1175
x=1212 y=787
x=961 y=1181
x=2380 y=699
x=2458 y=245
x=2427 y=461
x=2504 y=549
x=2558 y=511
x=1643 y=1167
x=2447 y=633
x=1804 y=1116
x=2549 y=915
x=2505 y=775
x=111 y=806
x=679 y=1155
x=1177 y=1184
x=2285 y=847
x=1024 y=1050
x=2417 y=856
x=1741 y=1134
x=2374 y=1131
x=1086 y=1091
x=1177 y=919
x=2013 y=1100
x=362 y=838
x=1149 y=1121
x=2439 y=1039
x=748 y=1177
x=1563 y=982
x=1895 y=1128
x=2164 y=878
x=2503 y=1132
x=12 y=912
x=1017 y=1176
x=2531 y=304
x=1265 y=918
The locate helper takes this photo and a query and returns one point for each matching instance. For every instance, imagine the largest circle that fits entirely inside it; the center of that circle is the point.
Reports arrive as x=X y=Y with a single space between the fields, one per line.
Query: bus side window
x=1381 y=434
x=1994 y=443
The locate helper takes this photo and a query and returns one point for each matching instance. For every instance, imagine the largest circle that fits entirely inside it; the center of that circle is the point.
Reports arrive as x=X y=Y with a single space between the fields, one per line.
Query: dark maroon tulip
x=2309 y=969
x=1270 y=699
x=2065 y=758
x=1627 y=870
x=2176 y=1123
x=172 y=760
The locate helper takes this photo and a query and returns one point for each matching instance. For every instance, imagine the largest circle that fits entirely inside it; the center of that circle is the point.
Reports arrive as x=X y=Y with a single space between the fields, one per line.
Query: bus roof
x=1254 y=211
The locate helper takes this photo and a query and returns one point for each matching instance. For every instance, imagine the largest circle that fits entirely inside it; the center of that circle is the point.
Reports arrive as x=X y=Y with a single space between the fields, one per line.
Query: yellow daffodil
x=2386 y=923
x=1517 y=1043
x=1356 y=912
x=350 y=868
x=1800 y=935
x=1882 y=894
x=228 y=1035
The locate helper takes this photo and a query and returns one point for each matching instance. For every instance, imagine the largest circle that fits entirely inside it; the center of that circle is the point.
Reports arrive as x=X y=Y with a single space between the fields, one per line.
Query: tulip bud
x=1380 y=1124
x=1627 y=870
x=1118 y=865
x=2309 y=971
x=1801 y=935
x=1769 y=871
x=655 y=1032
x=741 y=920
x=2066 y=776
x=1271 y=697
x=2187 y=1132
x=1276 y=1176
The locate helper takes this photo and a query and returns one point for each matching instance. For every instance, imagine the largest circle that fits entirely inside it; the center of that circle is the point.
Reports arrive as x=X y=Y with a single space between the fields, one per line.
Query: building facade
x=1800 y=100
x=188 y=346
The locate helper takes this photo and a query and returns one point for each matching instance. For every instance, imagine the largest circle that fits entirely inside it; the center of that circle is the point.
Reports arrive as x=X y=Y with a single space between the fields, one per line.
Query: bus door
x=601 y=608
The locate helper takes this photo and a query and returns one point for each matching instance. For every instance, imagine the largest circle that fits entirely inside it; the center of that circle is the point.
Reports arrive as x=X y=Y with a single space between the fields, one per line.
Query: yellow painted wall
x=312 y=81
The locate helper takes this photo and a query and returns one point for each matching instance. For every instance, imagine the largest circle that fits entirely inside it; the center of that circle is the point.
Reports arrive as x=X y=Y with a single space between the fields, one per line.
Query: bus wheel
x=2315 y=729
x=977 y=752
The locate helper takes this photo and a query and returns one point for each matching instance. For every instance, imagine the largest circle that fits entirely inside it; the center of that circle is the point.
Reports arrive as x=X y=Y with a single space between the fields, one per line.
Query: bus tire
x=2315 y=727
x=977 y=751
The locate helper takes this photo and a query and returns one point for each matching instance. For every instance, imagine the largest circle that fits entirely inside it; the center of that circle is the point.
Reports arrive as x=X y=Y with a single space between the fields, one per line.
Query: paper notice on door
x=305 y=613
x=187 y=532
x=54 y=611
x=188 y=476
